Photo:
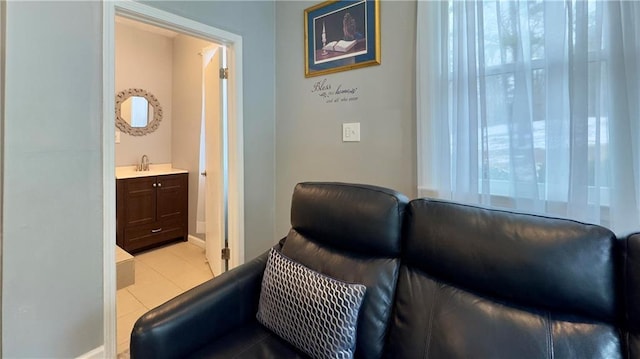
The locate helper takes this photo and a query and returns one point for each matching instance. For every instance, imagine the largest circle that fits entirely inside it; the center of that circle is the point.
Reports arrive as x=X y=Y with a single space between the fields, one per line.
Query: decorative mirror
x=138 y=112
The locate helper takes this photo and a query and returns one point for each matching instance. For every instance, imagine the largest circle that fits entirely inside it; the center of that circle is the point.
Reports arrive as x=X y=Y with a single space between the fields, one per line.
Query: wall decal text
x=332 y=93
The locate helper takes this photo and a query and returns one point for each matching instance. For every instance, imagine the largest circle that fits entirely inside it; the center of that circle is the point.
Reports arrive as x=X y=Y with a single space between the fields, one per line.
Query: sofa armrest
x=198 y=316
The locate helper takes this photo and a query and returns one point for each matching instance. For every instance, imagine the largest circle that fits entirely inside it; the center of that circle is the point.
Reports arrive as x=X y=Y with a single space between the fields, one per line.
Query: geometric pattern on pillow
x=315 y=313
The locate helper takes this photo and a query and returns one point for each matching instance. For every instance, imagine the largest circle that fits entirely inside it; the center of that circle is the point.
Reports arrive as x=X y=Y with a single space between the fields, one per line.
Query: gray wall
x=3 y=31
x=52 y=230
x=309 y=143
x=254 y=21
x=52 y=225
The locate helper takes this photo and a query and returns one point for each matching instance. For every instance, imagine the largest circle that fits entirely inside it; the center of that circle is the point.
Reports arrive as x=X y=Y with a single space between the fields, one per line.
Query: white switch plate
x=351 y=132
x=117 y=136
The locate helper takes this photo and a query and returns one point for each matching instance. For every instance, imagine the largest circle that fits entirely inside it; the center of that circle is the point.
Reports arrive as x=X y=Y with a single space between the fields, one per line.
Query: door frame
x=3 y=31
x=233 y=42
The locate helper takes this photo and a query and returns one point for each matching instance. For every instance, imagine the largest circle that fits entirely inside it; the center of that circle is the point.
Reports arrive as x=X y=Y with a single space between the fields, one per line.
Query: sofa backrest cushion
x=353 y=217
x=631 y=268
x=548 y=263
x=351 y=233
x=477 y=282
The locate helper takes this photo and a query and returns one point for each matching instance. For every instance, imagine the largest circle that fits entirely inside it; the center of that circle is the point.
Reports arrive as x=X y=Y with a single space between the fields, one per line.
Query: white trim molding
x=236 y=157
x=196 y=241
x=146 y=14
x=108 y=185
x=97 y=353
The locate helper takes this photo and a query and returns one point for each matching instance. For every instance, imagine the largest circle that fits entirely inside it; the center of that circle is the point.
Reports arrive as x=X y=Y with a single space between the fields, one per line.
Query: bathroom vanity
x=151 y=206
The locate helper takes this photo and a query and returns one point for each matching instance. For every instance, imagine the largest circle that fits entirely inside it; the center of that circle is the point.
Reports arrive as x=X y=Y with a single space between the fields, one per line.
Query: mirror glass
x=138 y=112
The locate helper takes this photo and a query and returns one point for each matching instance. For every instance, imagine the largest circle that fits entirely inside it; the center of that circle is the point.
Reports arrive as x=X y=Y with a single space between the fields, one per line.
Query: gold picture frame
x=341 y=35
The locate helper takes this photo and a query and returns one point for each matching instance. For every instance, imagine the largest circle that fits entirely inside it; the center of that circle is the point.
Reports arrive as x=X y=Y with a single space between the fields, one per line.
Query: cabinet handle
x=154 y=185
x=159 y=184
x=156 y=230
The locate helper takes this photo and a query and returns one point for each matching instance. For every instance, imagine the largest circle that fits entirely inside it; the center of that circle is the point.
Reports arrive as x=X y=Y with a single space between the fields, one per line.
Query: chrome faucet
x=144 y=165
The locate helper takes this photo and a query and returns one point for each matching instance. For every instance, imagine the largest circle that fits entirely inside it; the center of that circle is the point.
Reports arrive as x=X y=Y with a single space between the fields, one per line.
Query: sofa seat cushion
x=252 y=341
x=436 y=320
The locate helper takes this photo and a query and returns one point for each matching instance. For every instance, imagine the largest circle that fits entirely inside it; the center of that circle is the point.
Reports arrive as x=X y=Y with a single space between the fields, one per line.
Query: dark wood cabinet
x=151 y=211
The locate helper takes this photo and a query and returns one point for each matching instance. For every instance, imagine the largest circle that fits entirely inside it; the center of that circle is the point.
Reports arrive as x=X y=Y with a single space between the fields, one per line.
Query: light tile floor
x=161 y=274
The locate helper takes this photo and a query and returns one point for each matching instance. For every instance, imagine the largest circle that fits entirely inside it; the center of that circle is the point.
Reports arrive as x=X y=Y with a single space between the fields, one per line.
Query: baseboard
x=196 y=241
x=200 y=226
x=96 y=353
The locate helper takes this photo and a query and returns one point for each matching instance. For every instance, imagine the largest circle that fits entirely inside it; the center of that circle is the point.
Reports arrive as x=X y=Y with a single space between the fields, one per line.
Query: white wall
x=52 y=301
x=187 y=114
x=144 y=60
x=309 y=143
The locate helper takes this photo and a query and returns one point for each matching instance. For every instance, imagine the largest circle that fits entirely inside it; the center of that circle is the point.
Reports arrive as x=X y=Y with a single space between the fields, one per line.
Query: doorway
x=233 y=222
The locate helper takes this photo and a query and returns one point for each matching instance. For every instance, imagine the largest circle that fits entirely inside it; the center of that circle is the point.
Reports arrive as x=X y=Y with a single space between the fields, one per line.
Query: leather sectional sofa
x=443 y=280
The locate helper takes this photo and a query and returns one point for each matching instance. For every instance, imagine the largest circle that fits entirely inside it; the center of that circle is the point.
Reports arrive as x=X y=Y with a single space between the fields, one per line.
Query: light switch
x=351 y=132
x=118 y=136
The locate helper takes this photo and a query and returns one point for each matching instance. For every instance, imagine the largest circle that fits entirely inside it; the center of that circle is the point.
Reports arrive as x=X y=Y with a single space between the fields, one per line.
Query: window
x=541 y=110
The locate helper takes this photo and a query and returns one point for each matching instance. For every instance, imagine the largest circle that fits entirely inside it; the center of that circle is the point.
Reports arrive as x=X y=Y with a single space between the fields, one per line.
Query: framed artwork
x=341 y=35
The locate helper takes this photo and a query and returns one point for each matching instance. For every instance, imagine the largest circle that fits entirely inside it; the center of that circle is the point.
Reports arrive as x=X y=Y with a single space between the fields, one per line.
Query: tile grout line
x=137 y=299
x=173 y=252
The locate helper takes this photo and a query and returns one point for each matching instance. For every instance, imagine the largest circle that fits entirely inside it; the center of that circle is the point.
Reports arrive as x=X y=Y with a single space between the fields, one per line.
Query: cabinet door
x=172 y=197
x=140 y=201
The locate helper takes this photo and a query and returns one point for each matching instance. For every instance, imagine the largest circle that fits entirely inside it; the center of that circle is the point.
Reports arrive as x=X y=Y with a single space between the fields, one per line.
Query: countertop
x=123 y=172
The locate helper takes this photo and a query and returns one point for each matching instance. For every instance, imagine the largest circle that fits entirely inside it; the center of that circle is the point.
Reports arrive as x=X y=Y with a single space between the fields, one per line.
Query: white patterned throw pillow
x=315 y=313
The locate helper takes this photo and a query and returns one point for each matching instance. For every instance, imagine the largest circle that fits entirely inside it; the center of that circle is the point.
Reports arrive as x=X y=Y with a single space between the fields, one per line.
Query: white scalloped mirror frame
x=124 y=126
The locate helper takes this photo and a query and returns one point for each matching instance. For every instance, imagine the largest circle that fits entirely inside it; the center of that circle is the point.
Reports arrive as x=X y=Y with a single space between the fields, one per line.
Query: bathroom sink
x=123 y=172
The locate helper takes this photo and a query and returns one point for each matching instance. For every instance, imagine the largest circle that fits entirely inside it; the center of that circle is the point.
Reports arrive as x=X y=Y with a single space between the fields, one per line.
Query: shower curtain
x=207 y=55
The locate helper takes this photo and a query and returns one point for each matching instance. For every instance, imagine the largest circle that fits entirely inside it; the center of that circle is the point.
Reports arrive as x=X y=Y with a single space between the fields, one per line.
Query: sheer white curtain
x=532 y=105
